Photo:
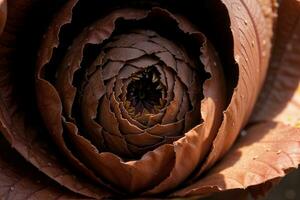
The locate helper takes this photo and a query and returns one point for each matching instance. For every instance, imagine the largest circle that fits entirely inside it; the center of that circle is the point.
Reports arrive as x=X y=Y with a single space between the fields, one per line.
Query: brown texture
x=19 y=180
x=147 y=98
x=164 y=165
x=280 y=99
x=265 y=153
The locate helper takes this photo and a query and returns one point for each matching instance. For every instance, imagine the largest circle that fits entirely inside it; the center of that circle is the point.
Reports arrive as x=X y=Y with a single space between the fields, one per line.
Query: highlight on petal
x=3 y=14
x=267 y=152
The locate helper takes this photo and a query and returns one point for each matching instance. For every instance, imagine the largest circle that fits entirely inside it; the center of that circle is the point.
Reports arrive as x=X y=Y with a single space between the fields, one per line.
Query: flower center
x=145 y=91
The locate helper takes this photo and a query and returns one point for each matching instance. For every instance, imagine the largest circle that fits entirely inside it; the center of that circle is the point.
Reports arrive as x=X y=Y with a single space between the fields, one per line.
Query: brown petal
x=19 y=180
x=184 y=107
x=143 y=62
x=125 y=126
x=169 y=46
x=127 y=72
x=184 y=72
x=116 y=144
x=162 y=75
x=52 y=108
x=168 y=59
x=107 y=118
x=126 y=115
x=123 y=54
x=170 y=84
x=111 y=69
x=92 y=93
x=171 y=129
x=280 y=98
x=265 y=153
x=29 y=138
x=3 y=14
x=51 y=38
x=131 y=176
x=247 y=27
x=141 y=150
x=127 y=40
x=149 y=47
x=143 y=139
x=174 y=106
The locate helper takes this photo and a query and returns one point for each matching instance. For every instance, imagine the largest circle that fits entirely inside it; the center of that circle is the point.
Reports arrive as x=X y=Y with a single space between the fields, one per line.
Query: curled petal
x=265 y=153
x=250 y=73
x=280 y=98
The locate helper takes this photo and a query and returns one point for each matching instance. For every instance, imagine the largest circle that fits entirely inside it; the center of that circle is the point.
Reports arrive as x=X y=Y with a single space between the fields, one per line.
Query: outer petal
x=28 y=137
x=19 y=180
x=265 y=153
x=252 y=43
x=280 y=99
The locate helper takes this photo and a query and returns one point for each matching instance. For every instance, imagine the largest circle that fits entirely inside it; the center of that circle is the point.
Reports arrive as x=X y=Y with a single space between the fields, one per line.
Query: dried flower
x=121 y=99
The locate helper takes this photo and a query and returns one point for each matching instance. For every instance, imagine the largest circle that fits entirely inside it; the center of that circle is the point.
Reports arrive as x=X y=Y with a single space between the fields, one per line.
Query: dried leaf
x=265 y=153
x=280 y=98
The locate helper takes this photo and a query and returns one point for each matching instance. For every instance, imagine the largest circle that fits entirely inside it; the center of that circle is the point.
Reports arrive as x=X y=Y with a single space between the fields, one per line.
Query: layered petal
x=280 y=98
x=265 y=153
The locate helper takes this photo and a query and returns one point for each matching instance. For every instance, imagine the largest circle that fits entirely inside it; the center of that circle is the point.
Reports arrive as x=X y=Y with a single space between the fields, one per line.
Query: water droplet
x=289 y=47
x=245 y=22
x=243 y=133
x=237 y=58
x=278 y=152
x=12 y=188
x=296 y=36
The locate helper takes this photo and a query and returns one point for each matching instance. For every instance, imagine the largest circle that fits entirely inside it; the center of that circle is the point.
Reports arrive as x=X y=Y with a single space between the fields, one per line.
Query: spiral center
x=145 y=91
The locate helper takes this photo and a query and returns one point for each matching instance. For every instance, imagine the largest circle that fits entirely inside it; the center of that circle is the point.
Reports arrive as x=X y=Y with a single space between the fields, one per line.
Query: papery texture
x=265 y=153
x=19 y=180
x=16 y=125
x=120 y=130
x=143 y=98
x=280 y=99
x=252 y=43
